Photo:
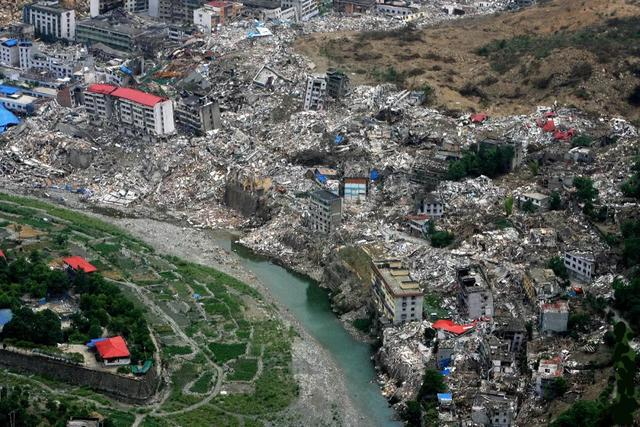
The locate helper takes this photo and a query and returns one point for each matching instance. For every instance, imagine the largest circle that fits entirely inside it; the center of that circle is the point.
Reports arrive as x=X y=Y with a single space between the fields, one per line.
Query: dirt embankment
x=583 y=53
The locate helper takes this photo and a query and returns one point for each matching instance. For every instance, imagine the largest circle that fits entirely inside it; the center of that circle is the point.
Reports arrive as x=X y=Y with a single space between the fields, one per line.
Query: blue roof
x=374 y=175
x=7 y=118
x=10 y=43
x=126 y=70
x=9 y=90
x=445 y=396
x=5 y=316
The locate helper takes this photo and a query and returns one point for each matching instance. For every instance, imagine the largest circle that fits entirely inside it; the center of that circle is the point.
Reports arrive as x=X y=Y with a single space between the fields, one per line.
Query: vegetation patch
x=225 y=352
x=244 y=369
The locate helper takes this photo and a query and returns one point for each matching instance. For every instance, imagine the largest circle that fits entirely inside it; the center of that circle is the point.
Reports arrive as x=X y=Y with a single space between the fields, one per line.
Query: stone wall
x=139 y=389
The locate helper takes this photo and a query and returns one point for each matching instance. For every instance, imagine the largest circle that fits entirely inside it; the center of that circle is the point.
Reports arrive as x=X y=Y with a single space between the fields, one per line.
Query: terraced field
x=225 y=355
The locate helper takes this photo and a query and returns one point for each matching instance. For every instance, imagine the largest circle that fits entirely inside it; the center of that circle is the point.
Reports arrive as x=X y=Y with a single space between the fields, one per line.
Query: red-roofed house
x=144 y=111
x=77 y=263
x=113 y=351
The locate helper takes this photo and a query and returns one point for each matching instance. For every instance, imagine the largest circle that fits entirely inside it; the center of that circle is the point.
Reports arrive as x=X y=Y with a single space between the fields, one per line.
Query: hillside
x=576 y=53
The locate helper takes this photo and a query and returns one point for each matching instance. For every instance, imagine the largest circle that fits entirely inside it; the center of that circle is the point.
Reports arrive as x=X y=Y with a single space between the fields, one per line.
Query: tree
x=581 y=141
x=432 y=384
x=585 y=190
x=440 y=239
x=583 y=413
x=557 y=388
x=508 y=206
x=534 y=167
x=39 y=328
x=412 y=414
x=557 y=265
x=555 y=204
x=529 y=207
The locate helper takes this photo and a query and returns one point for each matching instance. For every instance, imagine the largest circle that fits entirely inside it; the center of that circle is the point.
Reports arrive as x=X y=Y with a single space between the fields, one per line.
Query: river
x=310 y=305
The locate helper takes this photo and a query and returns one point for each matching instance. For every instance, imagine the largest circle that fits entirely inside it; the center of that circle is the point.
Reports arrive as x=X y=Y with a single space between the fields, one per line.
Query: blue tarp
x=126 y=70
x=10 y=43
x=339 y=139
x=7 y=118
x=446 y=371
x=444 y=363
x=5 y=316
x=197 y=296
x=374 y=175
x=321 y=178
x=8 y=90
x=93 y=342
x=445 y=397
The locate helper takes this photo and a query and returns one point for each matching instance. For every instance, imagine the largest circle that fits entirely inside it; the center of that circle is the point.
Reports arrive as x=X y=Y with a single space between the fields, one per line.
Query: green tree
x=581 y=141
x=440 y=239
x=583 y=413
x=555 y=204
x=534 y=168
x=432 y=384
x=529 y=207
x=585 y=190
x=557 y=388
x=412 y=414
x=508 y=206
x=557 y=265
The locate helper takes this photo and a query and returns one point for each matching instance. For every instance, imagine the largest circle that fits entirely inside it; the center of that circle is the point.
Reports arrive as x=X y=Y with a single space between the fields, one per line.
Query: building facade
x=430 y=205
x=138 y=110
x=315 y=93
x=554 y=317
x=474 y=294
x=305 y=9
x=493 y=409
x=197 y=114
x=397 y=297
x=50 y=20
x=354 y=189
x=580 y=265
x=325 y=211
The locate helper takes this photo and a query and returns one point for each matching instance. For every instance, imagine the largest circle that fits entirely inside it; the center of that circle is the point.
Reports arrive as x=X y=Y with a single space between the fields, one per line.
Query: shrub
x=440 y=239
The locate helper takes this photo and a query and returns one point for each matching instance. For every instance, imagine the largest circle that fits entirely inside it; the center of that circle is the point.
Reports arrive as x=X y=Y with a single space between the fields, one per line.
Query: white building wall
x=203 y=17
x=163 y=116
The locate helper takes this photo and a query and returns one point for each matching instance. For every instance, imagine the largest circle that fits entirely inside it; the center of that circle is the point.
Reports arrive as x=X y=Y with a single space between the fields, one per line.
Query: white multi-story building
x=325 y=211
x=430 y=205
x=494 y=409
x=305 y=9
x=50 y=20
x=580 y=265
x=397 y=297
x=136 y=109
x=474 y=294
x=315 y=93
x=10 y=53
x=548 y=371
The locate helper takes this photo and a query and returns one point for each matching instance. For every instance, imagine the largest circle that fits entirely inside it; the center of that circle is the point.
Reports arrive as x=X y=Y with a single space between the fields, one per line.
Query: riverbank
x=323 y=396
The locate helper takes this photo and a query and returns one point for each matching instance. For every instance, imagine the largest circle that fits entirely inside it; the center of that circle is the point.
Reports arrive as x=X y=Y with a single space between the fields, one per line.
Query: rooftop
x=536 y=196
x=324 y=195
x=556 y=307
x=113 y=348
x=79 y=263
x=137 y=96
x=397 y=278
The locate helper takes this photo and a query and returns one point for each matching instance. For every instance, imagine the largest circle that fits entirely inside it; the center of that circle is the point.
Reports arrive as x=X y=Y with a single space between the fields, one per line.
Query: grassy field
x=214 y=323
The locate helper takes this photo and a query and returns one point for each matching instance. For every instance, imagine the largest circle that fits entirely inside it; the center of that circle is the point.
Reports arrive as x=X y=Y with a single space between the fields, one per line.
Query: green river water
x=310 y=305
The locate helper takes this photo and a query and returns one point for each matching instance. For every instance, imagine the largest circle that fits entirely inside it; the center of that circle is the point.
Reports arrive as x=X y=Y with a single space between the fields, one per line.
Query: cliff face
x=404 y=358
x=348 y=291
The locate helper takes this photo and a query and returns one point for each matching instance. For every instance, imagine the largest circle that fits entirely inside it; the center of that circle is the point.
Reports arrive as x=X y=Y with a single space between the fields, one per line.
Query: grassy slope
x=170 y=282
x=446 y=57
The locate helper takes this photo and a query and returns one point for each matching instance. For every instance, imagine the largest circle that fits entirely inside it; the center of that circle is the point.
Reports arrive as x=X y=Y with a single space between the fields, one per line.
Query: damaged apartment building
x=136 y=110
x=397 y=297
x=474 y=293
x=334 y=84
x=50 y=20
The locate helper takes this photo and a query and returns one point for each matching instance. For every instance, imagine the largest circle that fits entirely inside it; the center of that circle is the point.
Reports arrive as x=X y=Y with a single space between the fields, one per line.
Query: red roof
x=220 y=4
x=103 y=89
x=113 y=348
x=564 y=136
x=478 y=118
x=452 y=327
x=137 y=96
x=549 y=126
x=79 y=263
